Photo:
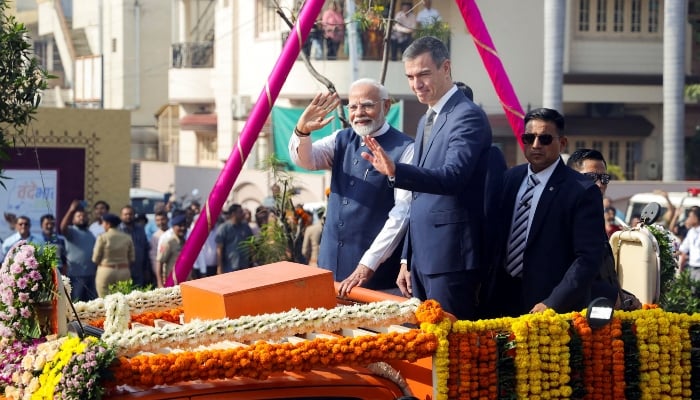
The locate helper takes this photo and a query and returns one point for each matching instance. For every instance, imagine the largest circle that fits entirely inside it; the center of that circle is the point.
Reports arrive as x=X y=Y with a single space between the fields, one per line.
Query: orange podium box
x=270 y=288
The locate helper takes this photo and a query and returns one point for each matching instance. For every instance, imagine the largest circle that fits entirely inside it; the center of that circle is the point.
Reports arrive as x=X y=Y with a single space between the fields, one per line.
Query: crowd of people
x=98 y=249
x=443 y=217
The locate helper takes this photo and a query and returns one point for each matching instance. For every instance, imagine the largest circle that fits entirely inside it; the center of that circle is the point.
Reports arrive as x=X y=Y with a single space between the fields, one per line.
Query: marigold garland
x=642 y=354
x=578 y=330
x=262 y=359
x=430 y=311
x=542 y=356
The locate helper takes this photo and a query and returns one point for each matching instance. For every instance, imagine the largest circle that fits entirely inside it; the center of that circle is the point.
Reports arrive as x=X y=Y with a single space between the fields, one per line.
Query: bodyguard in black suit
x=550 y=245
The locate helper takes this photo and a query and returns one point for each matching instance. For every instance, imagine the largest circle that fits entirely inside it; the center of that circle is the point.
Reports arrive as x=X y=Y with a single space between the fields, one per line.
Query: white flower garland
x=118 y=316
x=262 y=327
x=139 y=302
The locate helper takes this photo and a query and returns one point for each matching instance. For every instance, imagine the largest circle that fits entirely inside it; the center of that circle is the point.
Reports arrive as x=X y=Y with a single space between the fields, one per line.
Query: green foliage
x=616 y=171
x=692 y=92
x=279 y=239
x=678 y=292
x=680 y=295
x=270 y=245
x=126 y=287
x=21 y=81
x=438 y=29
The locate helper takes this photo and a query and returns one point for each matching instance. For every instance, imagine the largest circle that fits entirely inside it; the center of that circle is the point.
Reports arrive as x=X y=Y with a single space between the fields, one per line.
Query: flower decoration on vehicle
x=28 y=281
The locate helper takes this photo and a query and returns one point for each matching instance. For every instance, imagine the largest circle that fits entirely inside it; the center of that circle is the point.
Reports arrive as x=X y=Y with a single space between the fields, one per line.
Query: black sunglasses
x=545 y=139
x=603 y=178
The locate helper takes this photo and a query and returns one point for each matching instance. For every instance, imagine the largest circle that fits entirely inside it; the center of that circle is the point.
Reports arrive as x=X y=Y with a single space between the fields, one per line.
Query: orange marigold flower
x=430 y=311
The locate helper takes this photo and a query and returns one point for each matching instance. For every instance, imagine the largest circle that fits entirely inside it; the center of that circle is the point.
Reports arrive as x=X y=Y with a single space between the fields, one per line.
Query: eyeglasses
x=364 y=106
x=603 y=178
x=545 y=139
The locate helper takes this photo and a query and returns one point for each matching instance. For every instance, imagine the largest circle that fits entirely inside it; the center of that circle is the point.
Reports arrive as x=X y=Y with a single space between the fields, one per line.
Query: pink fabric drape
x=251 y=130
x=494 y=66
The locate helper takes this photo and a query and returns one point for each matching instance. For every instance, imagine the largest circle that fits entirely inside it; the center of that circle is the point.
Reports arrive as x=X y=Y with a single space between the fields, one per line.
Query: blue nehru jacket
x=358 y=207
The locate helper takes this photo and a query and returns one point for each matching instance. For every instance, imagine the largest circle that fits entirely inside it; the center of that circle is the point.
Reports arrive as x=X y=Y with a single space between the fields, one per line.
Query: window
x=631 y=150
x=619 y=23
x=601 y=16
x=266 y=19
x=613 y=153
x=653 y=25
x=583 y=15
x=206 y=147
x=620 y=18
x=598 y=145
x=610 y=149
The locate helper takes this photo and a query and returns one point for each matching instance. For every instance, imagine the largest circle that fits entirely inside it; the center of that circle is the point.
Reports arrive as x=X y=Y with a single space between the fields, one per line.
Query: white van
x=144 y=201
x=638 y=201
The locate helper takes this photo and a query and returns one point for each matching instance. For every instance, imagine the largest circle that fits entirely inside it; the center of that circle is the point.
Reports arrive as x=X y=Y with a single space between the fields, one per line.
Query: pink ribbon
x=494 y=66
x=251 y=130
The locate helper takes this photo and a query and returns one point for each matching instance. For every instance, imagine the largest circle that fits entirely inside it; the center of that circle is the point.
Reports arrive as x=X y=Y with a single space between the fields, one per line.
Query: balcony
x=193 y=55
x=190 y=73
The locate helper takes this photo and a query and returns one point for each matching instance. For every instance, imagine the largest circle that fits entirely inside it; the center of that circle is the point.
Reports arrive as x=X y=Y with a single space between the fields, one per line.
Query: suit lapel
x=549 y=193
x=438 y=124
x=511 y=193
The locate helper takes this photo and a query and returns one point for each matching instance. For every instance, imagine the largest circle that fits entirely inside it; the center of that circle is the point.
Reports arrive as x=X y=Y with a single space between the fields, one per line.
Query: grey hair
x=383 y=93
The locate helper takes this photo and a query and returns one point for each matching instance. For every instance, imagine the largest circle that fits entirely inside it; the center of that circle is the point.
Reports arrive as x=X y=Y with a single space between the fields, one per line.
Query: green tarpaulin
x=284 y=120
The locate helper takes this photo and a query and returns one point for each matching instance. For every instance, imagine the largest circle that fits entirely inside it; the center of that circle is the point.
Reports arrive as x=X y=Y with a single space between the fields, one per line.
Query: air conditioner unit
x=240 y=106
x=651 y=169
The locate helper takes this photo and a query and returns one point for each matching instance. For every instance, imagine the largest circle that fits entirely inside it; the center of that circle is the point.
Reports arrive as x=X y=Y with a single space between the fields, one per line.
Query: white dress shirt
x=691 y=246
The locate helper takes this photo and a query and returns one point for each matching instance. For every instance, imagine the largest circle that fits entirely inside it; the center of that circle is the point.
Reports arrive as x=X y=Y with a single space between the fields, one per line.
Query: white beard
x=366 y=130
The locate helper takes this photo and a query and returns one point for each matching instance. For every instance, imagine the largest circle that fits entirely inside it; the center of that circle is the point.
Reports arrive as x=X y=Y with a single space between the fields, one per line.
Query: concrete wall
x=104 y=134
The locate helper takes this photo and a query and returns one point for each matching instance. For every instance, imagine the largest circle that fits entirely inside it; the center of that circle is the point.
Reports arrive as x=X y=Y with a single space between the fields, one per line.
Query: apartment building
x=191 y=71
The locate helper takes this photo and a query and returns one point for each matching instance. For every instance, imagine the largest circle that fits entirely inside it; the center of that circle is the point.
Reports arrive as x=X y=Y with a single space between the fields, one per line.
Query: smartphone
x=83 y=204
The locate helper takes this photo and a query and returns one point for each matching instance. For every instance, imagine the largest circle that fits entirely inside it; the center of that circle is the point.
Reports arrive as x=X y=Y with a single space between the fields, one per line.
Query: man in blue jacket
x=365 y=217
x=447 y=177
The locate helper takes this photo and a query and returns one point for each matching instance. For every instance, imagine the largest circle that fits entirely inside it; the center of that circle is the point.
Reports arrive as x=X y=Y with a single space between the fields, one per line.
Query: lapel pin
x=551 y=188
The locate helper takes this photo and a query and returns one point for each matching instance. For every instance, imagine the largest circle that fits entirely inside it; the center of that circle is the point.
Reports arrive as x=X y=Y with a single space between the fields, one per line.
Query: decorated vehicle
x=160 y=345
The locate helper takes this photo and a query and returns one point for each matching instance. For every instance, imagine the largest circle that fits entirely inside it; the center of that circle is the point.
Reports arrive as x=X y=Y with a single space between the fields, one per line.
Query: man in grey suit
x=443 y=243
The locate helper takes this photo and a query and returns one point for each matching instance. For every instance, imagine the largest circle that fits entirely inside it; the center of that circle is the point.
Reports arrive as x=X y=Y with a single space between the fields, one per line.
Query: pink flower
x=22 y=283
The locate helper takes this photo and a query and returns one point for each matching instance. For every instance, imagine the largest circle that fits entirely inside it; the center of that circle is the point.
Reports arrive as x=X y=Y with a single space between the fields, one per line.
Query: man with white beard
x=366 y=218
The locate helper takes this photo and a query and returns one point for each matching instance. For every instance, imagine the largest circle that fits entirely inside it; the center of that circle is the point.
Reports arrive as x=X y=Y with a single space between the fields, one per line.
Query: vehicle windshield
x=144 y=205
